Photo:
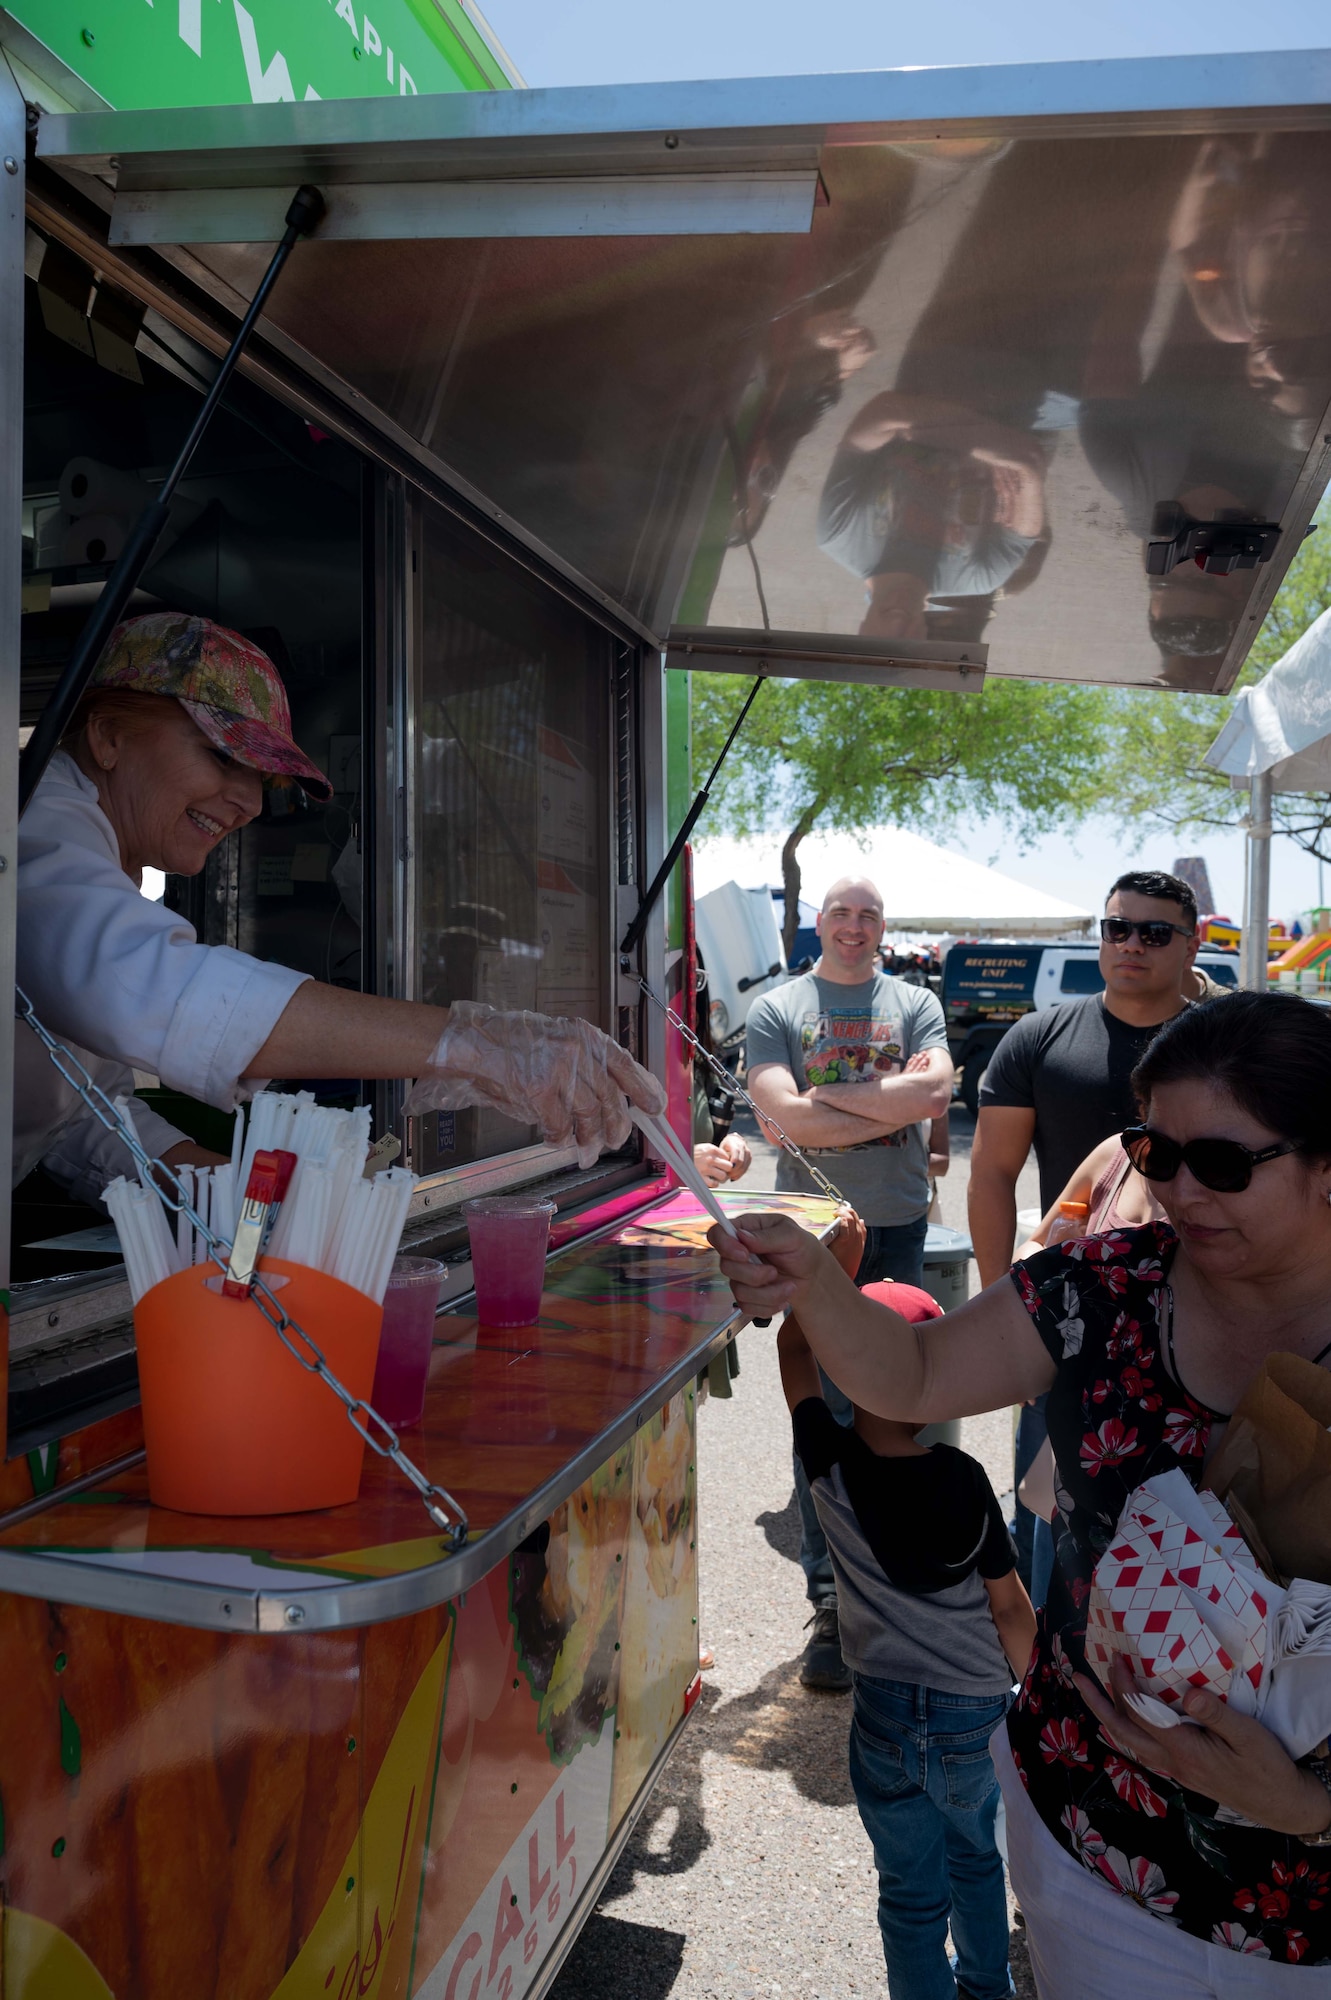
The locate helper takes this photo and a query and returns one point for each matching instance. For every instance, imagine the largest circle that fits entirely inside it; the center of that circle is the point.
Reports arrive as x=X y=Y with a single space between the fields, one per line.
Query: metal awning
x=893 y=374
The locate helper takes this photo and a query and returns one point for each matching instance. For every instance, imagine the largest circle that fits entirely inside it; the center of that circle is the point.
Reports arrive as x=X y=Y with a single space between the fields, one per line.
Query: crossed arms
x=847 y=1114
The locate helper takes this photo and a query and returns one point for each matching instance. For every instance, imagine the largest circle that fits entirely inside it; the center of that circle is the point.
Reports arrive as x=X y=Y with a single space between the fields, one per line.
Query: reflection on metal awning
x=906 y=359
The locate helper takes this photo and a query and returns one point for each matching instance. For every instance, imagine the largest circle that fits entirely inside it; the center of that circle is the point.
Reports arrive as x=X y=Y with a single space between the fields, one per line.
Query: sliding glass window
x=512 y=846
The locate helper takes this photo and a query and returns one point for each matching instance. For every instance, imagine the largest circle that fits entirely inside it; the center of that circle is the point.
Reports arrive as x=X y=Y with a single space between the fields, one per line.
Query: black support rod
x=302 y=218
x=681 y=839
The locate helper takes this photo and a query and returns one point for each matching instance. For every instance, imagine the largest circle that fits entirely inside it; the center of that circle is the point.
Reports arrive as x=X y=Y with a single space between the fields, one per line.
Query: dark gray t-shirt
x=1072 y=1065
x=823 y=1032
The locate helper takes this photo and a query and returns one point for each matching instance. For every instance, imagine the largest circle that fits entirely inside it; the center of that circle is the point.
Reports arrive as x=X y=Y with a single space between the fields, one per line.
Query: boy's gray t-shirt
x=912 y=1541
x=823 y=1032
x=946 y=1639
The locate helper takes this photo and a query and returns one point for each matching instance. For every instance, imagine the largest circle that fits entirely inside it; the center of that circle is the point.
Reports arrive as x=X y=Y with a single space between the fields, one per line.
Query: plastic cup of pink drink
x=510 y=1235
x=405 y=1343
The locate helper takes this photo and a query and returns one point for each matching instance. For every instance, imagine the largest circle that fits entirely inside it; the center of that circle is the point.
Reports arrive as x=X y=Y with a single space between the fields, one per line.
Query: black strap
x=1165 y=1328
x=681 y=839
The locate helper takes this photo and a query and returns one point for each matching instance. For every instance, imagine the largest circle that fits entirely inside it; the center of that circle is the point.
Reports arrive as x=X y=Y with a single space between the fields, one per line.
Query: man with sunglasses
x=1060 y=1080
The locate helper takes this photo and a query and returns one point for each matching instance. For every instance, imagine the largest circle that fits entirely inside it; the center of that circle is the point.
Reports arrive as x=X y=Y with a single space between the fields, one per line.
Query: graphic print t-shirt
x=827 y=1033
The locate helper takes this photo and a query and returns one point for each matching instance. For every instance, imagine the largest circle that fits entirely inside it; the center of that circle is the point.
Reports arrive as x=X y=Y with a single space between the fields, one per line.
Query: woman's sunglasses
x=1222 y=1165
x=1117 y=930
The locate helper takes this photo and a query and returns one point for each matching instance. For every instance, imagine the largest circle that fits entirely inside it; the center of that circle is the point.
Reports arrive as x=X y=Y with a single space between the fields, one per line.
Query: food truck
x=900 y=379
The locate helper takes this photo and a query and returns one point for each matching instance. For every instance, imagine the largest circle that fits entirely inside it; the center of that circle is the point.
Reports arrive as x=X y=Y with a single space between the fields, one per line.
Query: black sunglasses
x=1155 y=932
x=1222 y=1165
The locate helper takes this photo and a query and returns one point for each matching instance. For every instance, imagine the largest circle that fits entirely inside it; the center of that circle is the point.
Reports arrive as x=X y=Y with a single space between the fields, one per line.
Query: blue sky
x=637 y=41
x=633 y=41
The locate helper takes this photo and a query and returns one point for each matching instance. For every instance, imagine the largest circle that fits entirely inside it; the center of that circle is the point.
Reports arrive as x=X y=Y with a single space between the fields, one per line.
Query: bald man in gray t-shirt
x=853 y=1065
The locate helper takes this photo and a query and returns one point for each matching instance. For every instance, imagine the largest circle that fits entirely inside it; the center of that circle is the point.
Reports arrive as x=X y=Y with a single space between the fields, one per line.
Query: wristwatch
x=1319 y=1763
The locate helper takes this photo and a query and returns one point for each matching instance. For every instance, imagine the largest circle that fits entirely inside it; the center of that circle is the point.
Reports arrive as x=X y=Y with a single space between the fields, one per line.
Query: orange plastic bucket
x=233 y=1424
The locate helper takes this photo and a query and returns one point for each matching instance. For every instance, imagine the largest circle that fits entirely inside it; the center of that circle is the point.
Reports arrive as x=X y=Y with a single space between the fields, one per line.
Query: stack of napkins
x=1177 y=1590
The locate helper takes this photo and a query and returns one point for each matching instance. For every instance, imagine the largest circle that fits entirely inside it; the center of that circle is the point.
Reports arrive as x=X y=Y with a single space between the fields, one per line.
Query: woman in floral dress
x=1211 y=1846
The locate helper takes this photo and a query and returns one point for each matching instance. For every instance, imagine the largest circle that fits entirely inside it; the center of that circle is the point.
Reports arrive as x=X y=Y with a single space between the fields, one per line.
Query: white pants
x=1086 y=1942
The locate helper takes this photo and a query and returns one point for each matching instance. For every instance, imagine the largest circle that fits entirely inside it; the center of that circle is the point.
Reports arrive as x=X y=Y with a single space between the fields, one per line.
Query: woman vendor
x=1177 y=1863
x=168 y=753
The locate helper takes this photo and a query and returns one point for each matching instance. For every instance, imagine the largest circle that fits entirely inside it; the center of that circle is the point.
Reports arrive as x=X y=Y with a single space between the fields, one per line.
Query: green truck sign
x=141 y=53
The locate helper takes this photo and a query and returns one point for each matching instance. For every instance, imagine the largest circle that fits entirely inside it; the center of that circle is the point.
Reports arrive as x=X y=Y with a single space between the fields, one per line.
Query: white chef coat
x=126 y=983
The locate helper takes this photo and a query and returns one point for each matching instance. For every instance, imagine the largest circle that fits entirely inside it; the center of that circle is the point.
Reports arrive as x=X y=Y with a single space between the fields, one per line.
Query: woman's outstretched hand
x=1228 y=1757
x=767 y=1261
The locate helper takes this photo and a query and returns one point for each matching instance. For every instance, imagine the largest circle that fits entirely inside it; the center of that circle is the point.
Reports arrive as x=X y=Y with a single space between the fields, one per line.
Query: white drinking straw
x=157 y=1232
x=347 y=1248
x=677 y=1155
x=117 y=1199
x=333 y=1219
x=263 y=1120
x=308 y=1230
x=145 y=1240
x=223 y=1218
x=391 y=1193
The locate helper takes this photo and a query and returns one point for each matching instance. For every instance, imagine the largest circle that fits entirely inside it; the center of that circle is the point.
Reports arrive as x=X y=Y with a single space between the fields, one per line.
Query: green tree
x=1161 y=739
x=828 y=754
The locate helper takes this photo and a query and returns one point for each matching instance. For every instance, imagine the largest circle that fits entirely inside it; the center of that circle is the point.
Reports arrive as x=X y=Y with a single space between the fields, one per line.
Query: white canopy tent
x=1277 y=739
x=925 y=887
x=1283 y=724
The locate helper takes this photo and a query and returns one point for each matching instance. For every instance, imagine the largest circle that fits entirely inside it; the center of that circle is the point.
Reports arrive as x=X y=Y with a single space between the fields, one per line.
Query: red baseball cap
x=908 y=1300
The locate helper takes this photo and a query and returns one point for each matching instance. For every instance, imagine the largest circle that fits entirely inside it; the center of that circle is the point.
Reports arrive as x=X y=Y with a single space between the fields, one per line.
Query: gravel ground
x=749 y=1873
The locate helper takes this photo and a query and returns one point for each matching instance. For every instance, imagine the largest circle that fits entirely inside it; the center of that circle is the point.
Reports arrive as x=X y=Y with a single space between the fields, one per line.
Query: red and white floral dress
x=1116 y=1417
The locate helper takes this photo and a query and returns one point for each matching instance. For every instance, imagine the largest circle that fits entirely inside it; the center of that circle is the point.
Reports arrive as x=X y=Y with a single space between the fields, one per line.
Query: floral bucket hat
x=225 y=684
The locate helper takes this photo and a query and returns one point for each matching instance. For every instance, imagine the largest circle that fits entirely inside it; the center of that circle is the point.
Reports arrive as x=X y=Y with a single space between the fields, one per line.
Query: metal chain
x=438 y=1502
x=765 y=1120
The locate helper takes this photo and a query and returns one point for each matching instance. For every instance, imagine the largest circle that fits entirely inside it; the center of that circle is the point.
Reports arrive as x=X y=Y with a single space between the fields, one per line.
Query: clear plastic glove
x=563 y=1075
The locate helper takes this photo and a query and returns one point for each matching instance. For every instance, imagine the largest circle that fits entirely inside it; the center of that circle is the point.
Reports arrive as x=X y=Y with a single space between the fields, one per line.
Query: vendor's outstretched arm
x=984 y=1356
x=327 y=1031
x=562 y=1075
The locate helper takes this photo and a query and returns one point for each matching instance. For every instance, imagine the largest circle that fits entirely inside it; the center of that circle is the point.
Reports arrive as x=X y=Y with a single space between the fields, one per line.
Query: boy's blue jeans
x=925 y=1786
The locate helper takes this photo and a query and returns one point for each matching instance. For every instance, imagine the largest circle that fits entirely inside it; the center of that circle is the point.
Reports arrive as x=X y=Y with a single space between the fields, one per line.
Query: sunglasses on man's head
x=1154 y=932
x=1222 y=1165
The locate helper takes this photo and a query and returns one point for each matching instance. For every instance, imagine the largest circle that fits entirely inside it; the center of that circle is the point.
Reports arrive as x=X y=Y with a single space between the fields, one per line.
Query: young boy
x=935 y=1626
